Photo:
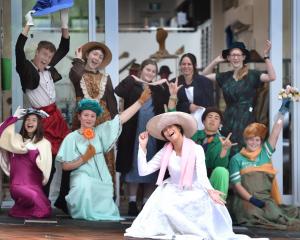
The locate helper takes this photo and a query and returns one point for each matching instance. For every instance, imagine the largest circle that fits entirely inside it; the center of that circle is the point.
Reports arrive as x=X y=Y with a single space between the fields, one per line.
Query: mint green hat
x=89 y=104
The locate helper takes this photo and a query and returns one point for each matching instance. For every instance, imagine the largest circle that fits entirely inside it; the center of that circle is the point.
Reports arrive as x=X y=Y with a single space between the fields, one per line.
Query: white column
x=276 y=19
x=92 y=20
x=112 y=41
x=112 y=38
x=296 y=107
x=16 y=28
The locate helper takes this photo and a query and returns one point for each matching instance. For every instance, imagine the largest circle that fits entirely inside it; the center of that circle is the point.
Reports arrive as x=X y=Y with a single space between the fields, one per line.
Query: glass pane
x=287 y=143
x=100 y=19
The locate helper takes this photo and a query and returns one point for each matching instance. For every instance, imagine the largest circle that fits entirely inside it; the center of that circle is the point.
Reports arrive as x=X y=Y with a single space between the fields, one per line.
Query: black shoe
x=61 y=204
x=132 y=209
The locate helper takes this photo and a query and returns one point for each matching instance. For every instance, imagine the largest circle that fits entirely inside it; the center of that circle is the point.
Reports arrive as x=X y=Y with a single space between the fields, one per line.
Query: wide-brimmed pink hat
x=86 y=48
x=159 y=122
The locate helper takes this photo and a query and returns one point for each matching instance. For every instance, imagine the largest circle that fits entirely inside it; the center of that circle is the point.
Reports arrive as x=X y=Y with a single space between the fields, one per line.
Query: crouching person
x=26 y=157
x=82 y=151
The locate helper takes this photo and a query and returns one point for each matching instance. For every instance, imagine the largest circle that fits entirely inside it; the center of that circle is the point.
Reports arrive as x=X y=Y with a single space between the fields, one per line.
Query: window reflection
x=287 y=79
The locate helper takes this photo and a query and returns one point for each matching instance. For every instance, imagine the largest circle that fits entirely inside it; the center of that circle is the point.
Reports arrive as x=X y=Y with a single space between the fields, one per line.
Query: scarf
x=207 y=140
x=188 y=158
x=267 y=168
x=250 y=155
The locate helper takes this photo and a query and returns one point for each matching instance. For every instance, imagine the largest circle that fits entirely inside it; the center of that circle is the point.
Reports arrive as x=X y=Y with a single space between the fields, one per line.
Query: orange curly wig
x=254 y=130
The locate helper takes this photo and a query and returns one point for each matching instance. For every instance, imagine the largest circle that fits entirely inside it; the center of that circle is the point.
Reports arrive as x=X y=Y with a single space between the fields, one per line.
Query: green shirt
x=214 y=148
x=239 y=162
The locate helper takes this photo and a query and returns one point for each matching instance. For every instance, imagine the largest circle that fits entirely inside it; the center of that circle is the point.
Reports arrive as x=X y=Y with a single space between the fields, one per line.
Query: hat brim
x=159 y=122
x=226 y=52
x=52 y=9
x=38 y=112
x=91 y=45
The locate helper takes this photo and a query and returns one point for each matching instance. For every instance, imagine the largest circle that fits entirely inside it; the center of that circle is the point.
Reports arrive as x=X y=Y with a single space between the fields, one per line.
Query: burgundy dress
x=26 y=187
x=26 y=183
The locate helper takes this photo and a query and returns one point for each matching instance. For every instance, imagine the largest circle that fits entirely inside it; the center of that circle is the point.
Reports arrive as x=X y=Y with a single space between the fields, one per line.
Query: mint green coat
x=91 y=188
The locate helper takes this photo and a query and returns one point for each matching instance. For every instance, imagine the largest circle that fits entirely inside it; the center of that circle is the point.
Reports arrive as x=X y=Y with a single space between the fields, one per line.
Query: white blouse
x=200 y=174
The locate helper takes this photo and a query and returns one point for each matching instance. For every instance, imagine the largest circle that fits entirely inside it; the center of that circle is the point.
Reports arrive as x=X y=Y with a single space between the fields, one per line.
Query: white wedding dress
x=175 y=213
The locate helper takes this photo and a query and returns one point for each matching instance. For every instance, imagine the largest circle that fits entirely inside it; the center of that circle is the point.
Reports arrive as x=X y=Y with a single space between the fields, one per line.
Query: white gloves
x=29 y=19
x=64 y=17
x=20 y=112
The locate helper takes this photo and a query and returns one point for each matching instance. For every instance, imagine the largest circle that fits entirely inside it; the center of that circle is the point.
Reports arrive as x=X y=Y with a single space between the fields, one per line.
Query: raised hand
x=64 y=17
x=219 y=59
x=173 y=87
x=226 y=143
x=28 y=18
x=285 y=106
x=78 y=53
x=267 y=48
x=158 y=82
x=143 y=140
x=215 y=195
x=20 y=112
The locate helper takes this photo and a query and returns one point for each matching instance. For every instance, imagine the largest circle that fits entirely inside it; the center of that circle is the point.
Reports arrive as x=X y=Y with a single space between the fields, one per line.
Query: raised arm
x=277 y=127
x=77 y=70
x=20 y=54
x=64 y=17
x=144 y=167
x=29 y=23
x=271 y=75
x=208 y=71
x=173 y=89
x=129 y=112
x=64 y=45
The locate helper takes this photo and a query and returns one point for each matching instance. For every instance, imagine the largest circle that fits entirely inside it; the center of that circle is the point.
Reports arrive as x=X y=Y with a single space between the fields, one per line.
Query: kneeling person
x=216 y=148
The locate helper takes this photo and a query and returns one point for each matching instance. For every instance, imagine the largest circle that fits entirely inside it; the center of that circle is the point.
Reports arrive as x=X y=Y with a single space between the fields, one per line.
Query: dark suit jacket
x=203 y=93
x=29 y=75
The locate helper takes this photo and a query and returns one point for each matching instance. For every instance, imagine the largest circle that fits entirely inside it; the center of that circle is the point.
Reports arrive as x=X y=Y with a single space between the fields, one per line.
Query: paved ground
x=60 y=226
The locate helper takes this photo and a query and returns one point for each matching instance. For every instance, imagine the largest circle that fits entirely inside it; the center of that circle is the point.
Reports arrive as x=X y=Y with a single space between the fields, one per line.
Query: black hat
x=209 y=110
x=164 y=69
x=239 y=45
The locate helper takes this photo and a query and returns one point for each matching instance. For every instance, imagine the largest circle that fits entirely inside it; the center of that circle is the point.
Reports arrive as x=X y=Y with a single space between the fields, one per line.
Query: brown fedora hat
x=86 y=48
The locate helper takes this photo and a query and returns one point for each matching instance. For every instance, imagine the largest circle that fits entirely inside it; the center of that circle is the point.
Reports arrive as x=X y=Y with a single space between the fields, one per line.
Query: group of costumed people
x=183 y=151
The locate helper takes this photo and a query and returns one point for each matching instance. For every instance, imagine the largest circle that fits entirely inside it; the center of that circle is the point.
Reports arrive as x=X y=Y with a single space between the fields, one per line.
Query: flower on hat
x=289 y=92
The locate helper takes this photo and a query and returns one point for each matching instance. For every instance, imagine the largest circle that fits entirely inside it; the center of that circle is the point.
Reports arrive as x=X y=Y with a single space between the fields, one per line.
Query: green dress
x=259 y=184
x=215 y=165
x=91 y=188
x=239 y=97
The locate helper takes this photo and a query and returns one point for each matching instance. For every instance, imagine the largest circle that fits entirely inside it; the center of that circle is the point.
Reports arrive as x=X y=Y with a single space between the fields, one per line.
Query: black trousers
x=63 y=192
x=46 y=188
